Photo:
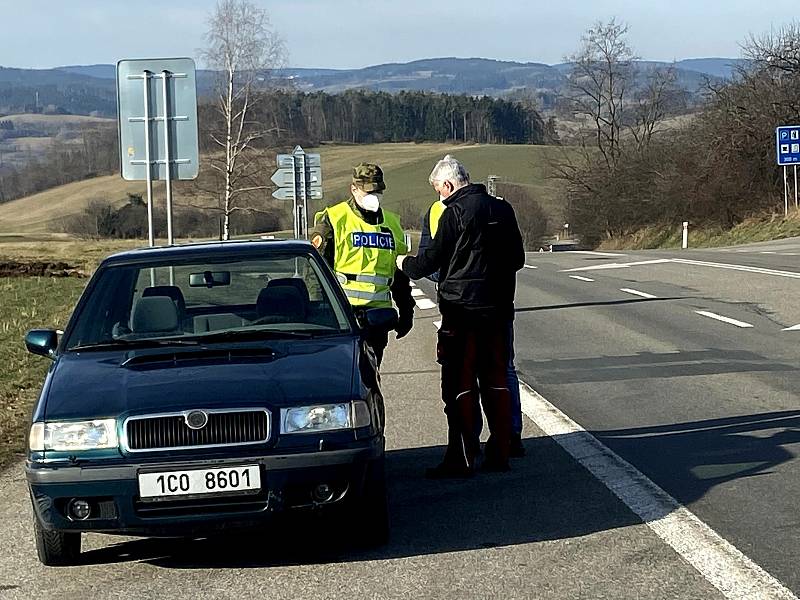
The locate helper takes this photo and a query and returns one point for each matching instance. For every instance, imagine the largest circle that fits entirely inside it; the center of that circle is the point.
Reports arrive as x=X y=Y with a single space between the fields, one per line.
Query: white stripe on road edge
x=424 y=303
x=594 y=253
x=417 y=292
x=530 y=267
x=579 y=278
x=637 y=293
x=437 y=324
x=721 y=563
x=792 y=328
x=701 y=263
x=619 y=265
x=711 y=315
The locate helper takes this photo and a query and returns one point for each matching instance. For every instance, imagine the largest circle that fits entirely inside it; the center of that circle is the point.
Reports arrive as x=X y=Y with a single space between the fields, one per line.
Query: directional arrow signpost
x=299 y=178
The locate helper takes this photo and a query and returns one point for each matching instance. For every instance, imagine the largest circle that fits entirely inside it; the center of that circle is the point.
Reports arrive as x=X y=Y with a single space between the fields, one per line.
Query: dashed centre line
x=530 y=267
x=711 y=315
x=417 y=292
x=580 y=278
x=638 y=293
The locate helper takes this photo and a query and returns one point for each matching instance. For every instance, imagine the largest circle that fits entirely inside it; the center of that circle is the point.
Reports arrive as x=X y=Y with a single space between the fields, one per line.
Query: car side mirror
x=42 y=342
x=380 y=318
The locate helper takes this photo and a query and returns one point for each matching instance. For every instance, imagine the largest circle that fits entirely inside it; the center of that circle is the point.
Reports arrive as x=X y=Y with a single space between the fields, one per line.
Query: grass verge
x=27 y=303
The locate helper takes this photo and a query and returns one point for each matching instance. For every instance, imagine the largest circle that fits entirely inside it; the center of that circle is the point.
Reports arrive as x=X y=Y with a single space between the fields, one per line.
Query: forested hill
x=90 y=88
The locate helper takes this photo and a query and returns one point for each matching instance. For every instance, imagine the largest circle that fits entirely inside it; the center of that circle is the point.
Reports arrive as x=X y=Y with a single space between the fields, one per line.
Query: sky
x=343 y=34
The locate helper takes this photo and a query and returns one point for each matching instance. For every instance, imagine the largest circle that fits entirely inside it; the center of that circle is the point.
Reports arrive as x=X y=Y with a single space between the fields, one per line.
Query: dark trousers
x=378 y=339
x=474 y=358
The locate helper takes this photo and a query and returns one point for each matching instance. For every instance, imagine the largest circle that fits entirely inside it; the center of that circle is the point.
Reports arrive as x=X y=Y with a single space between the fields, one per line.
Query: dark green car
x=206 y=387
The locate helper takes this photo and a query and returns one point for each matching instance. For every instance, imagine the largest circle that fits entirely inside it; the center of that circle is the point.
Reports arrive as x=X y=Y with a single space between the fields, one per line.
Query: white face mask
x=370 y=202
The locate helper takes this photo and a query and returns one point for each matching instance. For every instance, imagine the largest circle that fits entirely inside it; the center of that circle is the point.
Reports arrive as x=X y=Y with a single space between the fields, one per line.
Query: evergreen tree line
x=365 y=117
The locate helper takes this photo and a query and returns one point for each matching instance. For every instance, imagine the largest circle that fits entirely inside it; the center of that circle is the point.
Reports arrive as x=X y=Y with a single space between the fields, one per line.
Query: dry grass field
x=406 y=167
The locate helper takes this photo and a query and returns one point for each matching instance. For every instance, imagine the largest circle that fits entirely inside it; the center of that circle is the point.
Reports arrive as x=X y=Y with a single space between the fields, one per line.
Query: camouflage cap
x=368 y=177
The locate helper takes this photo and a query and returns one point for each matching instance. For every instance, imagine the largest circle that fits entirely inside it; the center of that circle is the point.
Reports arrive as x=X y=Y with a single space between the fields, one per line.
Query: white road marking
x=711 y=315
x=716 y=559
x=594 y=253
x=638 y=293
x=437 y=324
x=759 y=270
x=530 y=267
x=417 y=292
x=579 y=278
x=424 y=303
x=620 y=265
x=792 y=328
x=413 y=285
x=768 y=252
x=685 y=261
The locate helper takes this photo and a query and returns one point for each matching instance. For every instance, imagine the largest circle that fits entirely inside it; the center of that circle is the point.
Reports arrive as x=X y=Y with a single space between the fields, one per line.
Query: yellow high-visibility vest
x=364 y=254
x=437 y=208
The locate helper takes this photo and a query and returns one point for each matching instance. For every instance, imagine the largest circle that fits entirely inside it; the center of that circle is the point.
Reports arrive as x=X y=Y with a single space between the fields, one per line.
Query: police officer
x=361 y=241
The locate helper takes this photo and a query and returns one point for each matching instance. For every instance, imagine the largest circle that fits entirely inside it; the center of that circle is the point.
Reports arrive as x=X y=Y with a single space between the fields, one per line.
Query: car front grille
x=171 y=432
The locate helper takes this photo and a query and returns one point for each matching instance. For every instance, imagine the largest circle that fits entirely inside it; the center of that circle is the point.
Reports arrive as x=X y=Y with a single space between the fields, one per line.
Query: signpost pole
x=167 y=165
x=148 y=165
x=785 y=192
x=795 y=186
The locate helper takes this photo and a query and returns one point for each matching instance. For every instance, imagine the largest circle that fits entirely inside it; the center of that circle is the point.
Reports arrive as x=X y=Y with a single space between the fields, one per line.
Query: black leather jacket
x=477 y=252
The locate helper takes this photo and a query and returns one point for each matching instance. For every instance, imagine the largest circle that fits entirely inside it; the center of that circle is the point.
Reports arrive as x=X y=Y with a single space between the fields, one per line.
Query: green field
x=406 y=167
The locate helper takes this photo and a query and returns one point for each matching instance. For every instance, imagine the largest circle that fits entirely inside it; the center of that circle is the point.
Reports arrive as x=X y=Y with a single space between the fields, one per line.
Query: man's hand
x=399 y=261
x=405 y=324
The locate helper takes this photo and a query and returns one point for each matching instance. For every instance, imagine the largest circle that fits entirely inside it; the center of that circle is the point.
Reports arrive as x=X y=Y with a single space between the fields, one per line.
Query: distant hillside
x=90 y=89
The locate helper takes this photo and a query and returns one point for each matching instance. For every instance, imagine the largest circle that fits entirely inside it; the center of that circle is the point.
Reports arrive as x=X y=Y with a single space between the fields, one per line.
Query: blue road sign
x=788 y=144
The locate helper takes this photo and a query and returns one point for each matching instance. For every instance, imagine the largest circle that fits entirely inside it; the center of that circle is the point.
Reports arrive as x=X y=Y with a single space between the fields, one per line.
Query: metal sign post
x=299 y=179
x=157 y=127
x=787 y=147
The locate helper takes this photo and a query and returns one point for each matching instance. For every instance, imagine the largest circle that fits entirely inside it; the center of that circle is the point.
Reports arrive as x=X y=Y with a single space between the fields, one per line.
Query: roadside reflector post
x=685 y=235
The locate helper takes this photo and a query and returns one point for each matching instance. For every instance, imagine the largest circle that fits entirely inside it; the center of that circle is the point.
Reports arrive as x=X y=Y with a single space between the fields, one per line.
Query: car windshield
x=243 y=298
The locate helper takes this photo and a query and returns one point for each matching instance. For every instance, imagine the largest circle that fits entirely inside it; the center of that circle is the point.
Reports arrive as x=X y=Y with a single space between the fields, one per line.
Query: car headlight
x=325 y=417
x=68 y=436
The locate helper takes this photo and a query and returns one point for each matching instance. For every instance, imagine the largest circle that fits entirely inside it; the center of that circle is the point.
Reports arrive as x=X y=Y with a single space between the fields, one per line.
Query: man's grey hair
x=449 y=169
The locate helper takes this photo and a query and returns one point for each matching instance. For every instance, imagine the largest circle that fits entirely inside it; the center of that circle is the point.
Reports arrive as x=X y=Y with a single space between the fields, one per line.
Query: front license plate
x=199 y=481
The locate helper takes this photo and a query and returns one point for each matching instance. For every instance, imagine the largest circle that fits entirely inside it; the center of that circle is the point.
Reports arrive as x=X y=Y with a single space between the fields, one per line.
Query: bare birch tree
x=244 y=49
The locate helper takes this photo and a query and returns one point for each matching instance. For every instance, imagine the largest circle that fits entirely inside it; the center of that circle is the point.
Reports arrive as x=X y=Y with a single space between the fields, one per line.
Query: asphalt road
x=705 y=408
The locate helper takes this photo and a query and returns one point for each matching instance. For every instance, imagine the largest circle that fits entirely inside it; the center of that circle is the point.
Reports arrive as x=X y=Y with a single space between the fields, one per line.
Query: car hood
x=109 y=384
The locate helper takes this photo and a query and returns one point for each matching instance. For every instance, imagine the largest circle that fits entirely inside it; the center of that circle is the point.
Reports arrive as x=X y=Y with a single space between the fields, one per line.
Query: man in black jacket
x=477 y=252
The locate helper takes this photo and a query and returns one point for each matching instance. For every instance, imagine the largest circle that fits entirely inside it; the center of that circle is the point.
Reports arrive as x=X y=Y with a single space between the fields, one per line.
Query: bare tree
x=600 y=80
x=244 y=48
x=776 y=51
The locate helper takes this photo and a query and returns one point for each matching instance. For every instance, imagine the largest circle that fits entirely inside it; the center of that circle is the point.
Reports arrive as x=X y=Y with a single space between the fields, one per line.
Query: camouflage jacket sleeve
x=322 y=237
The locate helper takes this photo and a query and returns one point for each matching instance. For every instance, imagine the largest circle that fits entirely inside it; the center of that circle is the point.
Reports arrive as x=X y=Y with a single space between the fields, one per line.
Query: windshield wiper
x=142 y=343
x=253 y=334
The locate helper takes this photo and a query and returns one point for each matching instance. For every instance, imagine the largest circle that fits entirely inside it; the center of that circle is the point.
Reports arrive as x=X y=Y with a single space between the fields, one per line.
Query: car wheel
x=56 y=548
x=371 y=512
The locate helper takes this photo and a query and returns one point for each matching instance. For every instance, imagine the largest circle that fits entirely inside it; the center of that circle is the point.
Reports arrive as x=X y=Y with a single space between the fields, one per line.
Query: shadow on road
x=547 y=496
x=648 y=365
x=696 y=456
